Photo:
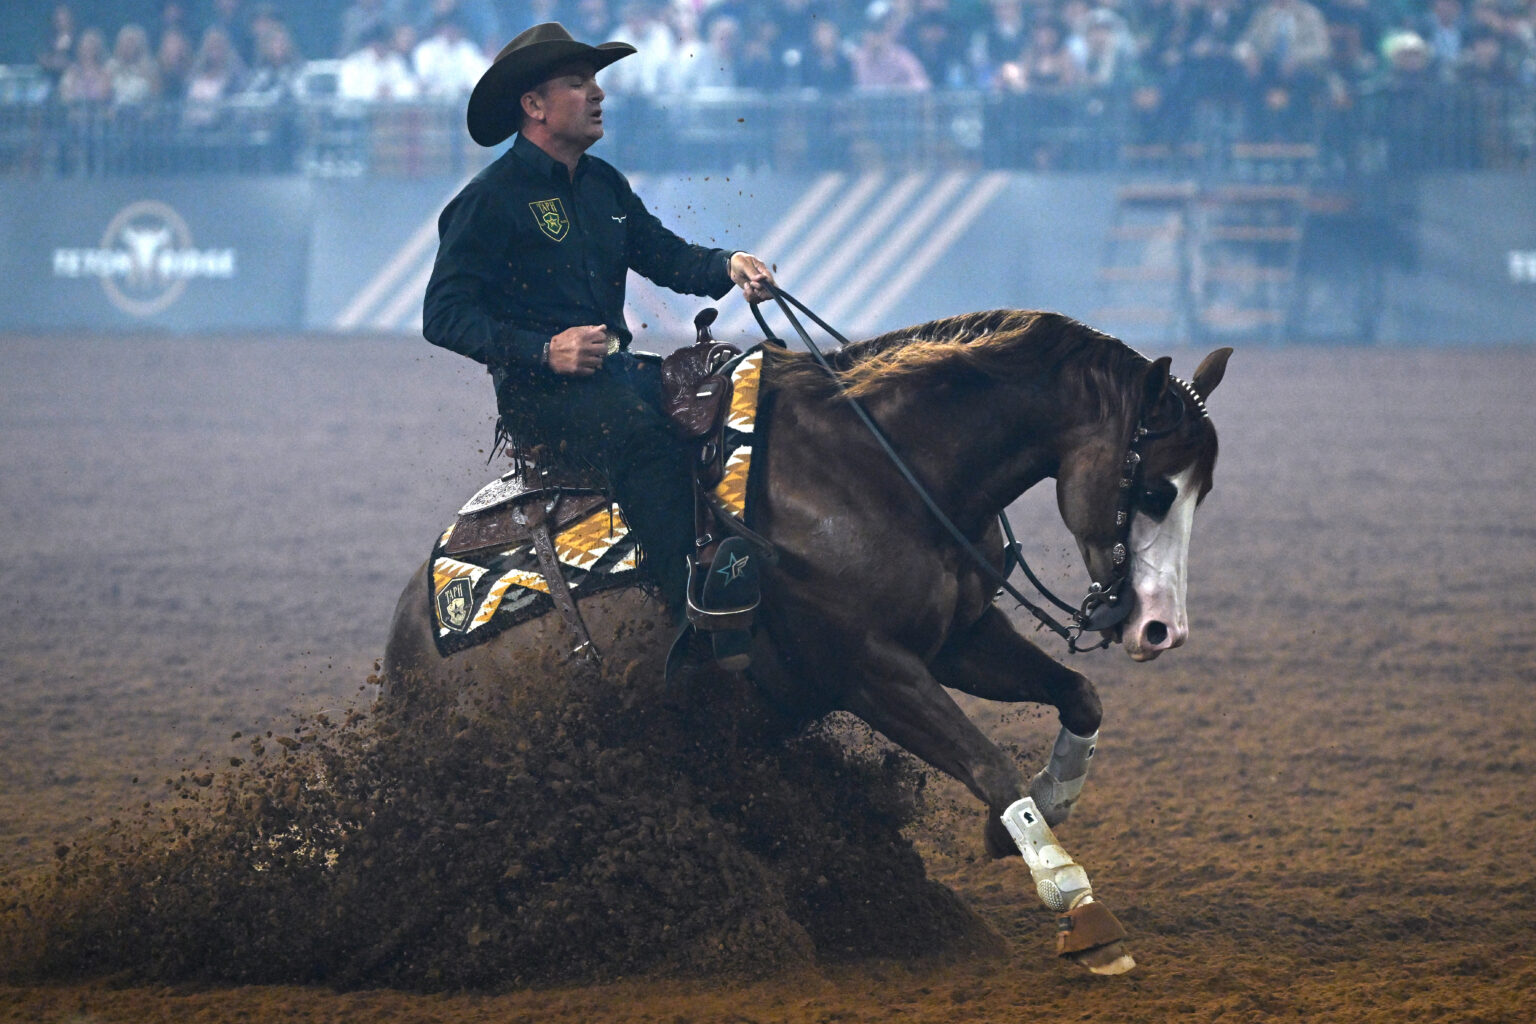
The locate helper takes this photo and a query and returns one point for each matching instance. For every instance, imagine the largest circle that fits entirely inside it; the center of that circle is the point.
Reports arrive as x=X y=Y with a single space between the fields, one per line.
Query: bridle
x=1105 y=605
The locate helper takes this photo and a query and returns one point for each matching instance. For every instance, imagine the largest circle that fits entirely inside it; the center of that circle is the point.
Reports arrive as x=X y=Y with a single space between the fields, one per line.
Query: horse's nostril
x=1157 y=633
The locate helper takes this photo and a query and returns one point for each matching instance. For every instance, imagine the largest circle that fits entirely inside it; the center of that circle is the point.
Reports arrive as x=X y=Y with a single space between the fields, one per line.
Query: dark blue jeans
x=612 y=422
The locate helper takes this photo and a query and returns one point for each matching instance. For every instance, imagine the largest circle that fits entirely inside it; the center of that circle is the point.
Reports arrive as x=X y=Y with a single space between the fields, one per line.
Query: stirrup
x=727 y=602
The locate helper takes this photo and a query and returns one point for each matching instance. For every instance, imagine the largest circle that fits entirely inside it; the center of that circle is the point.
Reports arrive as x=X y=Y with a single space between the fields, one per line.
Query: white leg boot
x=1055 y=789
x=1060 y=881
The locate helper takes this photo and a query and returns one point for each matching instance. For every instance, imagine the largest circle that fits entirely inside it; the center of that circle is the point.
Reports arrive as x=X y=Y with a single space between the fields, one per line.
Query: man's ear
x=532 y=104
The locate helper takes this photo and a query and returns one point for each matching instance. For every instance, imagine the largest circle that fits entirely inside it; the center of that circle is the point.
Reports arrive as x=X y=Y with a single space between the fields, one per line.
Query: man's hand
x=753 y=275
x=578 y=351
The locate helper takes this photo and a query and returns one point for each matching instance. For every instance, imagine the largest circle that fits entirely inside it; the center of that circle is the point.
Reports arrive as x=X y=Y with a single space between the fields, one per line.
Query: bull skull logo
x=148 y=233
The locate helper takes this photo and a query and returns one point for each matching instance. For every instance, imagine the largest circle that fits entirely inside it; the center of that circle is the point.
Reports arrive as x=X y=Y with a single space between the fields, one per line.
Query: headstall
x=1104 y=606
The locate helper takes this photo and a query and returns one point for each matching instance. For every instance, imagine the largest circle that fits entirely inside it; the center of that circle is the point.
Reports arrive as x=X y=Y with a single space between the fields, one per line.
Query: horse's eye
x=1157 y=499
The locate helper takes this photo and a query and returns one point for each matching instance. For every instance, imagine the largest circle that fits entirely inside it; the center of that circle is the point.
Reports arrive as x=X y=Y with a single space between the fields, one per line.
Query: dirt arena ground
x=1320 y=809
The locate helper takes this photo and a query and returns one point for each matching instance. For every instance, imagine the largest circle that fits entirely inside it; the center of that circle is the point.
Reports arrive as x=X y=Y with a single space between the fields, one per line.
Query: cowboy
x=529 y=280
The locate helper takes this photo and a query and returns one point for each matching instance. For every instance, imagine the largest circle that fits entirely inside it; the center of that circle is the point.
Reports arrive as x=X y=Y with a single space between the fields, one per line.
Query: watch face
x=613 y=343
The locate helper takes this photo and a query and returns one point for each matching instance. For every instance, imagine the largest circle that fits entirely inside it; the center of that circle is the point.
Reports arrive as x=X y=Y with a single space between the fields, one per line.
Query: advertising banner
x=1451 y=259
x=180 y=255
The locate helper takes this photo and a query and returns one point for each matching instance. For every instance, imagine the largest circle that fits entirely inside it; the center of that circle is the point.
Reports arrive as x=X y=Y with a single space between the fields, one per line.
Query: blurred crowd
x=1169 y=54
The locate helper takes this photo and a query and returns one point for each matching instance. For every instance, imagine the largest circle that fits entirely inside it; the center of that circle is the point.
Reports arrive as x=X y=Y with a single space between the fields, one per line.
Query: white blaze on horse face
x=1159 y=569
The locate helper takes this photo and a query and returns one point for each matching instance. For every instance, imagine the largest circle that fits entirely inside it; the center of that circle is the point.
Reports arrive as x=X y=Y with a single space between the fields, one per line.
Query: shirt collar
x=541 y=162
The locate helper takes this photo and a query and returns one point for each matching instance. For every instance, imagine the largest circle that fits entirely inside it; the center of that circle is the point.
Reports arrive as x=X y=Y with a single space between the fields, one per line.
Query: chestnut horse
x=872 y=608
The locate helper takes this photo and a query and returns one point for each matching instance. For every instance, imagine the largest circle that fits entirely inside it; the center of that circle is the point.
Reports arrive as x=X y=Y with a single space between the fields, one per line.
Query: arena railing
x=319 y=134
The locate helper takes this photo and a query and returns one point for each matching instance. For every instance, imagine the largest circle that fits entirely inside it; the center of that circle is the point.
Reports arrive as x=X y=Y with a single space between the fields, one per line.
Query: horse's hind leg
x=991 y=660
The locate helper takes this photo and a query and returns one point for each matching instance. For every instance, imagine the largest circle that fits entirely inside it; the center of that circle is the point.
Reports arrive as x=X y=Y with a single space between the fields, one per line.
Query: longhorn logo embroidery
x=550 y=216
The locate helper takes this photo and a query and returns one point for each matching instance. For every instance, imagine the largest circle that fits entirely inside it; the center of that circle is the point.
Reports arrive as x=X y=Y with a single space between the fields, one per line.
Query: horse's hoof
x=1107 y=960
x=1092 y=936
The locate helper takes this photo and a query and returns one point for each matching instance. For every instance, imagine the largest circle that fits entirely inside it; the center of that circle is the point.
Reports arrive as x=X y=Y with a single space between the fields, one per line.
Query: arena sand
x=1320 y=809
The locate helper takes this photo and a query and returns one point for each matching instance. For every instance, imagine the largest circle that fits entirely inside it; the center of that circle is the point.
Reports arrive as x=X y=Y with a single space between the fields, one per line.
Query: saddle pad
x=477 y=594
x=740 y=431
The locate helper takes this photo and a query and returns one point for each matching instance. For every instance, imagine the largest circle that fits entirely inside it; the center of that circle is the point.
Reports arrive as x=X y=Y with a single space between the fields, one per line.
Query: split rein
x=1104 y=606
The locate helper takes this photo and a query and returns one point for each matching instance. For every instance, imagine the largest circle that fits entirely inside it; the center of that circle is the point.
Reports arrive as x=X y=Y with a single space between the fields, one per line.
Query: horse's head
x=1128 y=492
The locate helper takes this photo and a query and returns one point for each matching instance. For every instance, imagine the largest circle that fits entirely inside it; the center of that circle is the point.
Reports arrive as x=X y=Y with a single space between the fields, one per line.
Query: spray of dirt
x=589 y=835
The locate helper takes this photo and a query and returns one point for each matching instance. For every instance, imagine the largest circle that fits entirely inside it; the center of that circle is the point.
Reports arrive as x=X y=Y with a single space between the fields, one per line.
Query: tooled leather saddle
x=537 y=503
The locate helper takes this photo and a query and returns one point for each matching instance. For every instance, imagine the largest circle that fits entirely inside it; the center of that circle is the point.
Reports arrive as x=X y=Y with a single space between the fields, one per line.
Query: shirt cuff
x=517 y=347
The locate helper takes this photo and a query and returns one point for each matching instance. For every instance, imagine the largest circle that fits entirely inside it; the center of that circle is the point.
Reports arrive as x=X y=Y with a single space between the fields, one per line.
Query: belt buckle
x=613 y=343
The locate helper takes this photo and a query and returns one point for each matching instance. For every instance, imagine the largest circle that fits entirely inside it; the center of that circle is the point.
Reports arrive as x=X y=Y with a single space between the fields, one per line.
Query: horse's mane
x=1012 y=344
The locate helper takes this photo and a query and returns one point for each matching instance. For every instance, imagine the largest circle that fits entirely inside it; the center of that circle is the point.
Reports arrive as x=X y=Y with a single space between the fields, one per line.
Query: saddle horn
x=701 y=322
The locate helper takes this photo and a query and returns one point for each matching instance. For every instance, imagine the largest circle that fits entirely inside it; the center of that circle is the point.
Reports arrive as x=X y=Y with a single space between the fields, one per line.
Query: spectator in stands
x=446 y=62
x=230 y=18
x=477 y=20
x=760 y=60
x=1210 y=63
x=999 y=41
x=1442 y=30
x=1169 y=29
x=87 y=80
x=376 y=71
x=135 y=75
x=645 y=74
x=1079 y=19
x=1283 y=39
x=881 y=63
x=275 y=76
x=708 y=63
x=1044 y=65
x=1483 y=60
x=1352 y=62
x=825 y=66
x=217 y=73
x=173 y=18
x=56 y=55
x=1409 y=64
x=364 y=16
x=936 y=41
x=796 y=21
x=1108 y=55
x=174 y=59
x=1284 y=53
x=1361 y=14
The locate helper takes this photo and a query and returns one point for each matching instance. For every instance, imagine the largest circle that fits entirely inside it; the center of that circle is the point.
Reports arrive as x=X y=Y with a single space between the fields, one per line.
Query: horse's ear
x=1212 y=368
x=1160 y=405
x=1154 y=382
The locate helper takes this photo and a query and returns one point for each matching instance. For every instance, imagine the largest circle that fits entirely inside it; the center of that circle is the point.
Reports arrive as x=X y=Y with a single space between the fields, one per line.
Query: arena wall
x=1437 y=259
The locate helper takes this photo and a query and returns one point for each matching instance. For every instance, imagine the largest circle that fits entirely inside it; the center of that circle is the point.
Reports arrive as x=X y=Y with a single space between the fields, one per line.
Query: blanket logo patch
x=478 y=594
x=455 y=604
x=549 y=215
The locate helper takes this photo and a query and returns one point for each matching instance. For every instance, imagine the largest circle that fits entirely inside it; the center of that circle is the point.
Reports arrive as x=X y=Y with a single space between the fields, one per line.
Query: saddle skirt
x=485 y=571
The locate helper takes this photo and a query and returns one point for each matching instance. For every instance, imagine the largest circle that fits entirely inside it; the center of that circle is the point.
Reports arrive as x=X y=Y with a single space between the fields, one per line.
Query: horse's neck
x=977 y=449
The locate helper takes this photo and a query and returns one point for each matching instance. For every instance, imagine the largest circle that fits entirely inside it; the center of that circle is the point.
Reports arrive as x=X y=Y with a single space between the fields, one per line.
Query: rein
x=1102 y=608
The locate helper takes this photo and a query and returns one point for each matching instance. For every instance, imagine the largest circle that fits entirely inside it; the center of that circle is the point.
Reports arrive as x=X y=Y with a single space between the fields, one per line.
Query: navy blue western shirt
x=526 y=252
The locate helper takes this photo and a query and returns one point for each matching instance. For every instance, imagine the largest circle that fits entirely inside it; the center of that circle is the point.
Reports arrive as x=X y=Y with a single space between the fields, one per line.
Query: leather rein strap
x=1101 y=609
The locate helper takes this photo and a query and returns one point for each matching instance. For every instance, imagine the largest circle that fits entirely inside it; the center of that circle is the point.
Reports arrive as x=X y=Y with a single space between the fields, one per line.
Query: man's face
x=572 y=105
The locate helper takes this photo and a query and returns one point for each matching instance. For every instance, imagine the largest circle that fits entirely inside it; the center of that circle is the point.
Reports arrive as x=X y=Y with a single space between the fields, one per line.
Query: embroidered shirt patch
x=549 y=214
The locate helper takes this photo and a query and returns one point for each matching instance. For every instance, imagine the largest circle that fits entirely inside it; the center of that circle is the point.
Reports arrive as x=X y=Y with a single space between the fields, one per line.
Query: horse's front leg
x=901 y=699
x=992 y=661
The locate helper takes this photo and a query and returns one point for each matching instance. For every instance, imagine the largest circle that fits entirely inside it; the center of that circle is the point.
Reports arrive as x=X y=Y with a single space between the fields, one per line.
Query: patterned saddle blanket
x=485 y=570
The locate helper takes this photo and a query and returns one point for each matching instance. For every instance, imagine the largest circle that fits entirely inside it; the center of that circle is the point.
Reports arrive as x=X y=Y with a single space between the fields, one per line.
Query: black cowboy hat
x=495 y=109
